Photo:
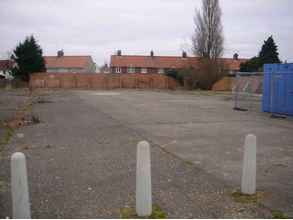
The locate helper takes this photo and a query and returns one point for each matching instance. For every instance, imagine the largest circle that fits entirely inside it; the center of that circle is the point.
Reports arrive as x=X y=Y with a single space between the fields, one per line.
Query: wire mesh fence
x=247 y=91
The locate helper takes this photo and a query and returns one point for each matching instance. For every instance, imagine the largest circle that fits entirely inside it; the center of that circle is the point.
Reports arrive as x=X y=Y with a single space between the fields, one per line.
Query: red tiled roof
x=6 y=64
x=166 y=62
x=67 y=61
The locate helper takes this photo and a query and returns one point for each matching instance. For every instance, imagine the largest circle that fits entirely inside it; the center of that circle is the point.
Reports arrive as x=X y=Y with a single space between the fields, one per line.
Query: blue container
x=278 y=89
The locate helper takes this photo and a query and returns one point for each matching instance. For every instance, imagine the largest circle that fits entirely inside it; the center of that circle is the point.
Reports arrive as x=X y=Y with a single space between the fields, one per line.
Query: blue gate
x=278 y=89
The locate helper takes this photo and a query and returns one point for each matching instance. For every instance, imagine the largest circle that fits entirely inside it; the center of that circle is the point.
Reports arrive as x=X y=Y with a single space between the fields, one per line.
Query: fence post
x=248 y=182
x=19 y=187
x=143 y=180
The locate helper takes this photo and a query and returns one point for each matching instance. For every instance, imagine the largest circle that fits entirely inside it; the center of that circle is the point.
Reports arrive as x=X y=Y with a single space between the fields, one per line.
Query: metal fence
x=247 y=91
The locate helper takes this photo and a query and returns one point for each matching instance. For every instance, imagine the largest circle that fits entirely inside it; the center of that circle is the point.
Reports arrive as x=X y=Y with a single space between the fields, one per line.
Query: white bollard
x=248 y=183
x=19 y=187
x=143 y=180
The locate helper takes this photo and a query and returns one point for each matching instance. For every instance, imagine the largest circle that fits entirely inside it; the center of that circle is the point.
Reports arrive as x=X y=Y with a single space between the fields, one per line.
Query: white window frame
x=131 y=69
x=144 y=70
x=118 y=70
x=161 y=71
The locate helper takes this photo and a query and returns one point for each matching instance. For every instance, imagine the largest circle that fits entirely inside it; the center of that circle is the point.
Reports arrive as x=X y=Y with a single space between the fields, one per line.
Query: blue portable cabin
x=278 y=89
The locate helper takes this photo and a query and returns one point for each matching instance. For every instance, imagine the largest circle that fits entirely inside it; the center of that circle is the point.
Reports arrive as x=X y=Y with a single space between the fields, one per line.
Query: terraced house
x=69 y=64
x=5 y=67
x=160 y=64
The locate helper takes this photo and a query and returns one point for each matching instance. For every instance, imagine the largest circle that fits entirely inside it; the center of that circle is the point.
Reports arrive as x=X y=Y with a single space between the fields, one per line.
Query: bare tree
x=208 y=40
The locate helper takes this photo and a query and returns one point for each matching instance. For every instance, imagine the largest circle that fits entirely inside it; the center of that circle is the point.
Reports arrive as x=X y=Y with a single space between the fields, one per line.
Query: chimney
x=60 y=53
x=152 y=54
x=235 y=56
x=119 y=53
x=184 y=54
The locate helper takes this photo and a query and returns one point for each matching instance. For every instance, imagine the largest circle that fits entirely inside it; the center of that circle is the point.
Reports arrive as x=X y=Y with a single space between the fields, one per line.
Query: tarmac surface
x=81 y=157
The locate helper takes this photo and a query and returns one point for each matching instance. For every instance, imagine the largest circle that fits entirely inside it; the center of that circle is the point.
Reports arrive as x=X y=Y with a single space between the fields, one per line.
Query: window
x=131 y=70
x=161 y=71
x=118 y=70
x=144 y=70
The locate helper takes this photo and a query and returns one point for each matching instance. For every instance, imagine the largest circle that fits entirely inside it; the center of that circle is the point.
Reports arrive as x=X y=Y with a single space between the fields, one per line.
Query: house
x=5 y=67
x=160 y=64
x=69 y=64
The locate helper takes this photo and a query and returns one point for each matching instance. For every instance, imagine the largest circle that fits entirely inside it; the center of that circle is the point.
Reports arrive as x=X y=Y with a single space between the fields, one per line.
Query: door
x=289 y=93
x=278 y=94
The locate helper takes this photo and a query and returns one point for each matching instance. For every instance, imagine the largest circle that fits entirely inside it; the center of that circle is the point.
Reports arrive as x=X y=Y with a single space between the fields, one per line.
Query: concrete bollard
x=248 y=182
x=143 y=180
x=19 y=187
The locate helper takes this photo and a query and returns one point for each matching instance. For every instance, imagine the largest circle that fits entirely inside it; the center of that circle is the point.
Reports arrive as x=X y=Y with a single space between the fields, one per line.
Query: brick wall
x=101 y=81
x=224 y=84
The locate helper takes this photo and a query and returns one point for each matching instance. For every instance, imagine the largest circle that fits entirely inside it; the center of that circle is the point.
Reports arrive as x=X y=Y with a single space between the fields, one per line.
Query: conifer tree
x=28 y=57
x=269 y=52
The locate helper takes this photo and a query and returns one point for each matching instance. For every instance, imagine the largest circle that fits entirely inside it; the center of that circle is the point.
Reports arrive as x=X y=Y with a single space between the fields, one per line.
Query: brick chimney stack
x=152 y=53
x=60 y=53
x=184 y=54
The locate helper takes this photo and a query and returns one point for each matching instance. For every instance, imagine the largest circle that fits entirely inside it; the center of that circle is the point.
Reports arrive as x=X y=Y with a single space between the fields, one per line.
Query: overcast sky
x=100 y=27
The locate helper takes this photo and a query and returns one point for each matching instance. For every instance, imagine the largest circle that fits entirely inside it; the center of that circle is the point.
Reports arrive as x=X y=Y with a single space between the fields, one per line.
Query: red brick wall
x=224 y=84
x=101 y=81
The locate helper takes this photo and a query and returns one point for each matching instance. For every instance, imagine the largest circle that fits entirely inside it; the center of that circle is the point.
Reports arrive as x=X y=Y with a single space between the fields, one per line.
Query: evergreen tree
x=269 y=52
x=29 y=59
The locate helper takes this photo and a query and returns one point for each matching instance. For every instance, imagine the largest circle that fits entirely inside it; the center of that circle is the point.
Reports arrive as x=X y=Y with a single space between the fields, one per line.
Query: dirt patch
x=42 y=100
x=243 y=198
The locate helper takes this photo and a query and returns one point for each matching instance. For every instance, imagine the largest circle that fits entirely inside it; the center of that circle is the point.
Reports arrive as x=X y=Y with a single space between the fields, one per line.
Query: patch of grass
x=3 y=186
x=276 y=214
x=7 y=136
x=28 y=107
x=130 y=213
x=188 y=162
x=243 y=198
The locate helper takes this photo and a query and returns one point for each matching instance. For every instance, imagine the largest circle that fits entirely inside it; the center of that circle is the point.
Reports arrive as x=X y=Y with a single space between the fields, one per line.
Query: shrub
x=209 y=71
x=175 y=74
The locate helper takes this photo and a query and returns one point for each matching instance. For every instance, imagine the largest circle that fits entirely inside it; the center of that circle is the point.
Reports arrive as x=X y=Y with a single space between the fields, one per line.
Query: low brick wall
x=15 y=84
x=101 y=81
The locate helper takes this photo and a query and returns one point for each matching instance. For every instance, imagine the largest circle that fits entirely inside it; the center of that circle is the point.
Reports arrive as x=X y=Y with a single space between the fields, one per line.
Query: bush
x=209 y=71
x=252 y=65
x=175 y=74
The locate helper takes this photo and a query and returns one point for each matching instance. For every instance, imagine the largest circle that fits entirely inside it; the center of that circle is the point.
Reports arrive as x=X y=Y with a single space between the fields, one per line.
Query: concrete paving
x=205 y=130
x=81 y=157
